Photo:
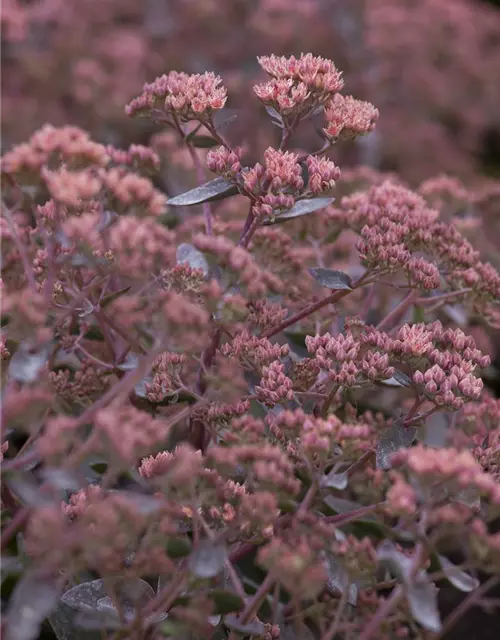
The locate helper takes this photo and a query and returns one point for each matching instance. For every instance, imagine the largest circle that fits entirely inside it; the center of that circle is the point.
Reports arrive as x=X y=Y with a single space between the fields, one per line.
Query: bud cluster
x=298 y=85
x=275 y=386
x=188 y=97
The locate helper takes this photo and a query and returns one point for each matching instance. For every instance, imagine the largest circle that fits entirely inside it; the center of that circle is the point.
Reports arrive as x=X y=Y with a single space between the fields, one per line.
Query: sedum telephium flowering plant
x=245 y=411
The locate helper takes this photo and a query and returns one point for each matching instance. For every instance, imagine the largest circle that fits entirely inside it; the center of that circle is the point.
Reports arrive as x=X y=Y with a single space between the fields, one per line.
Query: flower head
x=347 y=117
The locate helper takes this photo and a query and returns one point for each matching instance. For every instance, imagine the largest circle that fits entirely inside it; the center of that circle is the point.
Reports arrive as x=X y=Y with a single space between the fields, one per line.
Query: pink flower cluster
x=256 y=281
x=130 y=192
x=275 y=386
x=347 y=118
x=224 y=161
x=128 y=433
x=458 y=469
x=166 y=370
x=188 y=97
x=271 y=469
x=395 y=223
x=218 y=376
x=279 y=182
x=390 y=220
x=452 y=359
x=69 y=188
x=176 y=468
x=444 y=361
x=345 y=359
x=140 y=246
x=298 y=85
x=253 y=351
x=51 y=145
x=137 y=157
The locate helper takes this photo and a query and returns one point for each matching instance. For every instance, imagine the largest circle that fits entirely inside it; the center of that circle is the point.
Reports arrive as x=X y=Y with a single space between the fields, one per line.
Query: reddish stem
x=398 y=311
x=344 y=518
x=14 y=525
x=311 y=308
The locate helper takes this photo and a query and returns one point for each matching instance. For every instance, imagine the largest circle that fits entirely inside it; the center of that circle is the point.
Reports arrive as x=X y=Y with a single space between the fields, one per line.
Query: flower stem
x=315 y=306
x=398 y=311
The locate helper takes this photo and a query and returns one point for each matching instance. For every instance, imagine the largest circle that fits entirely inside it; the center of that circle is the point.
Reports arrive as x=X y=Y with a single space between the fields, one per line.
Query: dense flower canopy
x=259 y=393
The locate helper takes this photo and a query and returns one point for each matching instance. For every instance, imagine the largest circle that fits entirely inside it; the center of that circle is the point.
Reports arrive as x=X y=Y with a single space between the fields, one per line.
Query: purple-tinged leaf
x=214 y=620
x=469 y=496
x=105 y=605
x=396 y=437
x=214 y=190
x=107 y=219
x=111 y=297
x=435 y=430
x=62 y=479
x=275 y=116
x=422 y=598
x=335 y=479
x=27 y=363
x=130 y=363
x=140 y=388
x=331 y=278
x=399 y=379
x=11 y=566
x=294 y=632
x=25 y=487
x=338 y=579
x=87 y=608
x=186 y=253
x=457 y=314
x=33 y=599
x=208 y=559
x=458 y=578
x=247 y=628
x=223 y=118
x=300 y=208
x=421 y=592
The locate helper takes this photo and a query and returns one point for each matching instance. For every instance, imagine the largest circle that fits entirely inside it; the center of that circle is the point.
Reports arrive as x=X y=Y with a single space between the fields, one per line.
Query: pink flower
x=348 y=118
x=189 y=97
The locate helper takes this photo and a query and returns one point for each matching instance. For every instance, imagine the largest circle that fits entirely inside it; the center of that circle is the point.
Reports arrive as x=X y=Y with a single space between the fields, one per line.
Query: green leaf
x=340 y=505
x=226 y=601
x=111 y=297
x=418 y=314
x=331 y=278
x=214 y=190
x=203 y=142
x=178 y=547
x=99 y=467
x=297 y=337
x=94 y=333
x=287 y=505
x=301 y=208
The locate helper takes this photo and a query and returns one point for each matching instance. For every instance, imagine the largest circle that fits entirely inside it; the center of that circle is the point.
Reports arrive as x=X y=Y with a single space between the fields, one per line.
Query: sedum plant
x=250 y=409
